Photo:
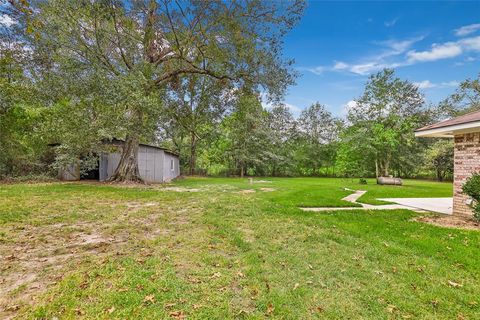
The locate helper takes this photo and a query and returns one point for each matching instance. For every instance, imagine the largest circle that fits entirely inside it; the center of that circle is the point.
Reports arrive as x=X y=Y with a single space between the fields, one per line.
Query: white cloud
x=400 y=46
x=450 y=84
x=390 y=23
x=348 y=106
x=339 y=65
x=466 y=30
x=437 y=52
x=395 y=54
x=426 y=84
x=445 y=50
x=472 y=44
x=391 y=49
x=317 y=70
x=6 y=20
x=293 y=109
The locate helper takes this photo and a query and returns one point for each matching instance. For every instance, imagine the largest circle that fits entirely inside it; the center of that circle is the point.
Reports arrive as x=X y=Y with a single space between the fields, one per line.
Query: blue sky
x=337 y=45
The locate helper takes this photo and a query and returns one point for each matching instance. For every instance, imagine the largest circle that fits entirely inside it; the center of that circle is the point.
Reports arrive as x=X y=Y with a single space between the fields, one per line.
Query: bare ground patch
x=247 y=191
x=179 y=189
x=34 y=260
x=450 y=221
x=36 y=257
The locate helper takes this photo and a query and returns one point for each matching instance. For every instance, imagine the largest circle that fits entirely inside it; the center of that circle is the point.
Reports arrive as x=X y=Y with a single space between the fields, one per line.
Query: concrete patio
x=440 y=205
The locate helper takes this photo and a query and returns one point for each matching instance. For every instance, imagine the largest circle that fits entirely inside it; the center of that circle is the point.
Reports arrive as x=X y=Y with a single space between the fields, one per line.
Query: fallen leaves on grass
x=111 y=310
x=391 y=308
x=319 y=309
x=12 y=308
x=177 y=314
x=454 y=284
x=150 y=299
x=270 y=308
x=79 y=312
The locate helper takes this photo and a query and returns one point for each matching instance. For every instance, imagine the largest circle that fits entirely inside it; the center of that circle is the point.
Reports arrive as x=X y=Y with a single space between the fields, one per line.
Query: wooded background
x=205 y=79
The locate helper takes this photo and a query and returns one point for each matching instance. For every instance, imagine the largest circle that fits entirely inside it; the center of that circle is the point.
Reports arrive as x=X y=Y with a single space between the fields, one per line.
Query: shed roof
x=469 y=122
x=121 y=142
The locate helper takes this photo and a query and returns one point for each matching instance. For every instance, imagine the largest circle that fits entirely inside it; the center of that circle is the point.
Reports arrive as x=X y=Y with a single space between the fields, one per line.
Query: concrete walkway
x=420 y=205
x=441 y=205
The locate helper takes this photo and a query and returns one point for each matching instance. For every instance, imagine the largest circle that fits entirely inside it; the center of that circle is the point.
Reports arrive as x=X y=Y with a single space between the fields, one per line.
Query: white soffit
x=450 y=131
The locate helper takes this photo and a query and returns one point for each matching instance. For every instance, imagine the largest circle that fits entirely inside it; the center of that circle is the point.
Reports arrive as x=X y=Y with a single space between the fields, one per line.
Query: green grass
x=220 y=254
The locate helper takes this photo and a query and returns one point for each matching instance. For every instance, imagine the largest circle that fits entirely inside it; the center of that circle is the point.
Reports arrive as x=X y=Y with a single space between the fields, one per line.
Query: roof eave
x=449 y=131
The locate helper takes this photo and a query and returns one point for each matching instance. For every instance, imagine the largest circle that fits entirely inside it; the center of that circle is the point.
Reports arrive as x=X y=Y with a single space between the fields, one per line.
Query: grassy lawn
x=230 y=250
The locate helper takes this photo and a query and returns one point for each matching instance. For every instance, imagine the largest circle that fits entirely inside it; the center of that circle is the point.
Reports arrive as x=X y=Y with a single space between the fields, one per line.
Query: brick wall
x=467 y=161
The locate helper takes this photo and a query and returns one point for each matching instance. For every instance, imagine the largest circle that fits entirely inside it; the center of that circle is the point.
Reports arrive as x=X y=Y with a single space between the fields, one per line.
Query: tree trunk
x=439 y=175
x=241 y=171
x=386 y=166
x=376 y=168
x=193 y=154
x=127 y=169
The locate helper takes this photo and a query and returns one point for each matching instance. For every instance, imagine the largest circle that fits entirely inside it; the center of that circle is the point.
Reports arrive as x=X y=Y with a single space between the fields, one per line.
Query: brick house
x=466 y=133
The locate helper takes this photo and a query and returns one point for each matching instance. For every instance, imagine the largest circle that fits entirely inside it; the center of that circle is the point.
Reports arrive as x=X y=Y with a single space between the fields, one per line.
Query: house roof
x=469 y=122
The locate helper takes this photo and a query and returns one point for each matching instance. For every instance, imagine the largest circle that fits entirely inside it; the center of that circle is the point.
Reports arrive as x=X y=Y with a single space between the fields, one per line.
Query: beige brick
x=466 y=162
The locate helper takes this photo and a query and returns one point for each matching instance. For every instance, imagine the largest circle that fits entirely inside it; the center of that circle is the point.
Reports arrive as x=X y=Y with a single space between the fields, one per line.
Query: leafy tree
x=318 y=132
x=141 y=48
x=384 y=119
x=466 y=99
x=439 y=158
x=246 y=132
x=195 y=108
x=281 y=132
x=19 y=116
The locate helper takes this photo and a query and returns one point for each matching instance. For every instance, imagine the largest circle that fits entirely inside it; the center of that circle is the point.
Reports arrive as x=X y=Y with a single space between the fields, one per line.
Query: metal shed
x=155 y=164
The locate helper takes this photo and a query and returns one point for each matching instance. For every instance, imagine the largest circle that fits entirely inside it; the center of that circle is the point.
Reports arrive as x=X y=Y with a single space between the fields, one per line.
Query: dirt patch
x=267 y=189
x=140 y=204
x=262 y=181
x=247 y=191
x=179 y=189
x=451 y=221
x=248 y=234
x=37 y=257
x=34 y=260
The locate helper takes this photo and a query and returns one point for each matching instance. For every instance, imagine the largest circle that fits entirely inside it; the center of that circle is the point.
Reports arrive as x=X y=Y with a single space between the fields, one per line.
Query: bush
x=472 y=189
x=42 y=177
x=362 y=181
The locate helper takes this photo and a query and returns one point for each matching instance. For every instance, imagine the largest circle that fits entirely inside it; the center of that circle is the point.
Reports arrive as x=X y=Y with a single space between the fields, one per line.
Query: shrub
x=362 y=181
x=42 y=177
x=472 y=189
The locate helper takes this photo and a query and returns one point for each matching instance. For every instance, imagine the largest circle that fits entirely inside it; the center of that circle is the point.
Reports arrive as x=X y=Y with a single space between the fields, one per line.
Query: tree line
x=194 y=76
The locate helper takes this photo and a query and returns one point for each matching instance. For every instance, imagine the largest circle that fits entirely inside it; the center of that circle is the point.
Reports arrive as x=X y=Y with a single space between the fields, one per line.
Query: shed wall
x=152 y=164
x=70 y=173
x=170 y=173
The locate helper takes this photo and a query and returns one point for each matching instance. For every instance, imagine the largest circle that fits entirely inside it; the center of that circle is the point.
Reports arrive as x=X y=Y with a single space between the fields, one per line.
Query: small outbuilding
x=465 y=130
x=155 y=164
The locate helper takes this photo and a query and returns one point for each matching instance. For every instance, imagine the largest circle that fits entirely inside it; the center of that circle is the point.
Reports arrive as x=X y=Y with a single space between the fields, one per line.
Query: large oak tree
x=143 y=48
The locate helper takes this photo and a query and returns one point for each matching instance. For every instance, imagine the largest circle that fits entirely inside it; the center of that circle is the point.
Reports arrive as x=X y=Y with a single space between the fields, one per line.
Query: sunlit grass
x=220 y=253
